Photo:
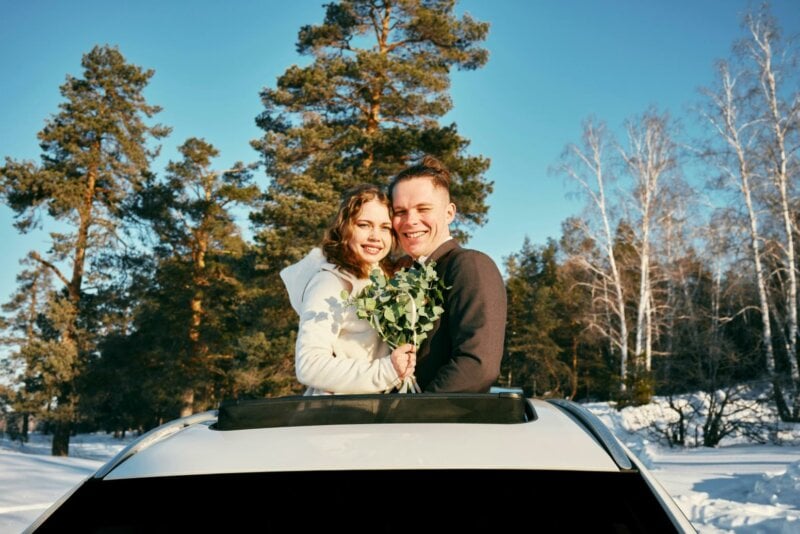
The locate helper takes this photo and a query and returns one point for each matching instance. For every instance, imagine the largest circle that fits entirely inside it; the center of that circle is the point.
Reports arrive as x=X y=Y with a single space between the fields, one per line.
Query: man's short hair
x=429 y=167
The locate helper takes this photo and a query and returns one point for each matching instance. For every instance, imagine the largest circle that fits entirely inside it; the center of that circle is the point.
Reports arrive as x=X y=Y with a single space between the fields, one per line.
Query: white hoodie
x=336 y=352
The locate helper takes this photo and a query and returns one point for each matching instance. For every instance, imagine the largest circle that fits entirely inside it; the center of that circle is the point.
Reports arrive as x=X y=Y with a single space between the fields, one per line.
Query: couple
x=337 y=352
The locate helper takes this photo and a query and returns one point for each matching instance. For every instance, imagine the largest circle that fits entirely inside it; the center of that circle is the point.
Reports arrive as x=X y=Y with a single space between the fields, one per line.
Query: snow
x=739 y=486
x=736 y=487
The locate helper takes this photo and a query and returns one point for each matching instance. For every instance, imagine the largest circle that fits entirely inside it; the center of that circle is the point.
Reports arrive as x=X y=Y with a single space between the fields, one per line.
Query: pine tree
x=198 y=287
x=533 y=358
x=24 y=326
x=94 y=153
x=367 y=104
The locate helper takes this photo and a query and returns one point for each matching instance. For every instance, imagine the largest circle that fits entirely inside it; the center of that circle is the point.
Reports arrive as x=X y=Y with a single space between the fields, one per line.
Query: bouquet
x=403 y=308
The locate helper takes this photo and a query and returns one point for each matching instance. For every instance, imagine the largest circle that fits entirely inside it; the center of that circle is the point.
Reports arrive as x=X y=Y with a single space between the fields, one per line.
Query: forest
x=150 y=303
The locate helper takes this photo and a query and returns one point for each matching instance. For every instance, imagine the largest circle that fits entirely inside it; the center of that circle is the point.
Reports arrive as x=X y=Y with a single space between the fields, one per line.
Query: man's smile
x=414 y=235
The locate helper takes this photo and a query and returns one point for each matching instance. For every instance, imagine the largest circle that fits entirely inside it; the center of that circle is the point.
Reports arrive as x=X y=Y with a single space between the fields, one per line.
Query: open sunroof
x=485 y=408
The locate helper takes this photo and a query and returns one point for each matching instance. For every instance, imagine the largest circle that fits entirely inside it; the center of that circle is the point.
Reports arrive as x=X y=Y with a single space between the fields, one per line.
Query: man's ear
x=450 y=212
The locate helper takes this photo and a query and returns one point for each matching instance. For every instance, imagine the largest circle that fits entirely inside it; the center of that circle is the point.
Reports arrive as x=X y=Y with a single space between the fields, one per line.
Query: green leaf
x=399 y=307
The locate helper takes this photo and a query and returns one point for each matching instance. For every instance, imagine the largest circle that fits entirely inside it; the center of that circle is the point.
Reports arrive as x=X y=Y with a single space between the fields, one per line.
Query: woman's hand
x=404 y=359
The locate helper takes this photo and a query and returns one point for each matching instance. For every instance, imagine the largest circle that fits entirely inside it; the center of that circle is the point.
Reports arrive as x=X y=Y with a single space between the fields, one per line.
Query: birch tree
x=780 y=113
x=735 y=160
x=587 y=165
x=649 y=159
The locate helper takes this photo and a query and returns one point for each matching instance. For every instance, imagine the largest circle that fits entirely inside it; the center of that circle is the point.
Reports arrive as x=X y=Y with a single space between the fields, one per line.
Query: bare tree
x=588 y=167
x=734 y=161
x=649 y=159
x=671 y=299
x=780 y=116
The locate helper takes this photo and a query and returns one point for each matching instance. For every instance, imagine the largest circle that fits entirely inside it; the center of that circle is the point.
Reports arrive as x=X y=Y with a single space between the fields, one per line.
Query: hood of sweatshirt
x=297 y=276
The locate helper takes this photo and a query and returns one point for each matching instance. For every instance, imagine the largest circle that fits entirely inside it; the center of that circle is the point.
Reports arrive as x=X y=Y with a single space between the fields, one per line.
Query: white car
x=374 y=463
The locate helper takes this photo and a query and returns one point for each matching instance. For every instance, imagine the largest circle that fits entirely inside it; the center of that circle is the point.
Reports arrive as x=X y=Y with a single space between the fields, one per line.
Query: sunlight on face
x=422 y=215
x=372 y=233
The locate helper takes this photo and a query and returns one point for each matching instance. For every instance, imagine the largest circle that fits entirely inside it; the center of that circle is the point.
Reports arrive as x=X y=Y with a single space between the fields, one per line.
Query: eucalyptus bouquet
x=403 y=308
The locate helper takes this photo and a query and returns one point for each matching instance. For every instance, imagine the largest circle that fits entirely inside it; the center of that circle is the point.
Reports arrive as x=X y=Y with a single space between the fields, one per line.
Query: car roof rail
x=598 y=429
x=486 y=408
x=157 y=434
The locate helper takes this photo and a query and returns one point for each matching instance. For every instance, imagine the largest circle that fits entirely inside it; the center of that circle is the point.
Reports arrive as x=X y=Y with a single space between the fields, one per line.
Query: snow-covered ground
x=737 y=487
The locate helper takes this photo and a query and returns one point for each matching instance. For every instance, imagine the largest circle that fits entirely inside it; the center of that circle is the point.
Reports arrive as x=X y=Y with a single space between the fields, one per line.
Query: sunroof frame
x=480 y=408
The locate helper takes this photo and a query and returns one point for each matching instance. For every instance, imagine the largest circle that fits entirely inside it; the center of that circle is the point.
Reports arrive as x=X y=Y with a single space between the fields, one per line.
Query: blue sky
x=552 y=64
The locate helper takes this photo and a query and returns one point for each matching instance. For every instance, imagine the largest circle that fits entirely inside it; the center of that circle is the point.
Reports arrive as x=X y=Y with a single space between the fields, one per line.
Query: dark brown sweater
x=463 y=351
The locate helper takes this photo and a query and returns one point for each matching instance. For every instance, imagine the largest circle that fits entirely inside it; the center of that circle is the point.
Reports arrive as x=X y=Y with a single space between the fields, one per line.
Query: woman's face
x=372 y=233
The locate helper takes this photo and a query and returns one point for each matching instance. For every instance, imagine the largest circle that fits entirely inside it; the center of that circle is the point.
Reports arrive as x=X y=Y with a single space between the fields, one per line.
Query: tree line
x=151 y=304
x=680 y=273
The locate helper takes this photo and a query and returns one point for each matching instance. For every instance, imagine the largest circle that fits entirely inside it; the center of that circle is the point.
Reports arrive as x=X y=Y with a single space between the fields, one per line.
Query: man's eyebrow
x=417 y=205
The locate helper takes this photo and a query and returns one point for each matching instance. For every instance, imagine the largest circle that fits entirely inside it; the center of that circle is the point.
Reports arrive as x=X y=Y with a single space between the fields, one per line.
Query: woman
x=336 y=352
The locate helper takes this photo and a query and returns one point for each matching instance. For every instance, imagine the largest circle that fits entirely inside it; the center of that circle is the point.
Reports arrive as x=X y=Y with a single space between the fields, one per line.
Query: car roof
x=374 y=432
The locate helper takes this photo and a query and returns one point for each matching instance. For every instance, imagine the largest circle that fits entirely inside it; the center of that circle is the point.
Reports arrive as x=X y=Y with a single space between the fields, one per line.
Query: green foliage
x=639 y=390
x=95 y=151
x=189 y=313
x=97 y=144
x=366 y=105
x=403 y=308
x=534 y=360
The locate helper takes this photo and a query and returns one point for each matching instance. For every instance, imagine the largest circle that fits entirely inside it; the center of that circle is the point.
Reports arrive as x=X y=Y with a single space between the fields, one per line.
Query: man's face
x=422 y=215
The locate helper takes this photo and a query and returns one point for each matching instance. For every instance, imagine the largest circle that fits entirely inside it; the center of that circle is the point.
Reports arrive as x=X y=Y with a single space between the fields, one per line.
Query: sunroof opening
x=483 y=408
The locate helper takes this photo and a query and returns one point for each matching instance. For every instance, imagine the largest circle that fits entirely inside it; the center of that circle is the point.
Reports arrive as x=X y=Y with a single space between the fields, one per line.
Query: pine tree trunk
x=574 y=379
x=24 y=429
x=61 y=434
x=187 y=402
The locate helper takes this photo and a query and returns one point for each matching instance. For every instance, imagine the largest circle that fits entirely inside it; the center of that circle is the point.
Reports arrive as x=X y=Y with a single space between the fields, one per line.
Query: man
x=463 y=351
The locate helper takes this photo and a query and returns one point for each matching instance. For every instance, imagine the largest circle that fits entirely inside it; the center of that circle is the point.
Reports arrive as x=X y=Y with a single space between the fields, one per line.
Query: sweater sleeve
x=476 y=306
x=322 y=316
